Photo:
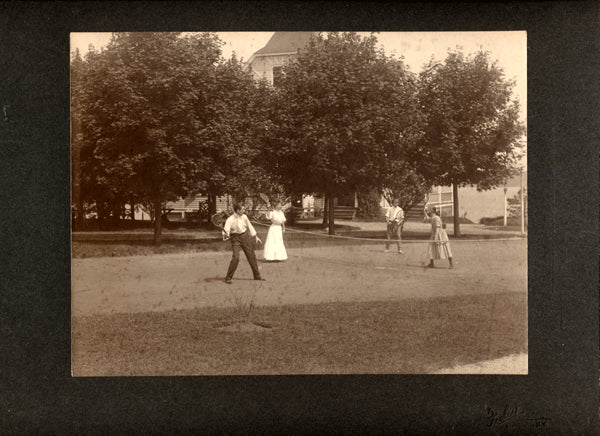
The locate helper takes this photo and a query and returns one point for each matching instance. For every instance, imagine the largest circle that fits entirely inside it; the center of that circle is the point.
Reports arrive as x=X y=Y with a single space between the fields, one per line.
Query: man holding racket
x=394 y=218
x=239 y=230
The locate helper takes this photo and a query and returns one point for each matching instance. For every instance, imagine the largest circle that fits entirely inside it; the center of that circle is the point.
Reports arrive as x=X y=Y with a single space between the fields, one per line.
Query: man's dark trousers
x=242 y=241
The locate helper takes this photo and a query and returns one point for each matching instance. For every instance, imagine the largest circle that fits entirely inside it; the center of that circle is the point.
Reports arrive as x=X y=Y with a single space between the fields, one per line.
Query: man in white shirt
x=239 y=230
x=394 y=218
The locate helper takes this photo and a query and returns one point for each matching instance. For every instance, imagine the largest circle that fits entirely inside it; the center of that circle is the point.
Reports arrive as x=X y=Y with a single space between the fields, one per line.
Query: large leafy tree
x=236 y=132
x=343 y=115
x=473 y=132
x=77 y=70
x=144 y=110
x=90 y=181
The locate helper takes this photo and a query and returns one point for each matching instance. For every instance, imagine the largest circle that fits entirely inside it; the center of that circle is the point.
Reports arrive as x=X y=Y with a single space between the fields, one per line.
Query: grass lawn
x=82 y=250
x=409 y=336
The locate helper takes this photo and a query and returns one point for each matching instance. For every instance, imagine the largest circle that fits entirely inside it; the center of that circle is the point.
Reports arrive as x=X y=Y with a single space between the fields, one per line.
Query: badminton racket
x=264 y=198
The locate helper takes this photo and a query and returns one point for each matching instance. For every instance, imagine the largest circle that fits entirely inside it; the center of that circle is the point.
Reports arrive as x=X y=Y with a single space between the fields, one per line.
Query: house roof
x=285 y=42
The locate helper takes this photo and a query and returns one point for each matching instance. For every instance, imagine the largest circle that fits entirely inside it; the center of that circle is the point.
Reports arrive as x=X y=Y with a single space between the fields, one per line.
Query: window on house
x=277 y=74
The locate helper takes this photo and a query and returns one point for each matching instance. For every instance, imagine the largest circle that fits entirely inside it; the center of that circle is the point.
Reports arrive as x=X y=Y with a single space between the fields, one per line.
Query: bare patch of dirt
x=242 y=327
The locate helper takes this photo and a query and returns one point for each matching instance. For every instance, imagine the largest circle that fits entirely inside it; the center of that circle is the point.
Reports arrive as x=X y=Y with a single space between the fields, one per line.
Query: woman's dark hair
x=237 y=207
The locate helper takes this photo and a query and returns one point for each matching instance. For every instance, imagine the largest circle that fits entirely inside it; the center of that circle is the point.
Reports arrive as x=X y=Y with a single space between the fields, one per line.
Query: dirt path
x=311 y=275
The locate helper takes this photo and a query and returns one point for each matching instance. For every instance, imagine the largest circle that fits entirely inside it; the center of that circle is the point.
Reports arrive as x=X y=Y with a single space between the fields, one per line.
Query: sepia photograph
x=298 y=203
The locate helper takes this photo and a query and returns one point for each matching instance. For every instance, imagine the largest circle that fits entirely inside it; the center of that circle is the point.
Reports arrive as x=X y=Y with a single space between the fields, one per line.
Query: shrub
x=368 y=205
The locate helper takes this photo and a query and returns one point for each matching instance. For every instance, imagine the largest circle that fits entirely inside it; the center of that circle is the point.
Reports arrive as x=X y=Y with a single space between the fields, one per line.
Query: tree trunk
x=80 y=213
x=325 y=211
x=115 y=215
x=292 y=219
x=157 y=204
x=331 y=215
x=455 y=199
x=132 y=209
x=212 y=204
x=76 y=174
x=101 y=215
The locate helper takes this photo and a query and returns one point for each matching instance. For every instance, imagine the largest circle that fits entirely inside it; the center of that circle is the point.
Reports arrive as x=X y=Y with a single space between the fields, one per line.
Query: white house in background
x=473 y=205
x=267 y=62
x=182 y=206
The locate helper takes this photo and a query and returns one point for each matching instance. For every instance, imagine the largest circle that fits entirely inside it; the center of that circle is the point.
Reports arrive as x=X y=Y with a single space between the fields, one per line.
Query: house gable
x=279 y=49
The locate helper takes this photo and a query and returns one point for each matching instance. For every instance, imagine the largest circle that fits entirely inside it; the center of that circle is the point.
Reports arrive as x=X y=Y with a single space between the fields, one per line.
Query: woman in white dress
x=439 y=247
x=274 y=249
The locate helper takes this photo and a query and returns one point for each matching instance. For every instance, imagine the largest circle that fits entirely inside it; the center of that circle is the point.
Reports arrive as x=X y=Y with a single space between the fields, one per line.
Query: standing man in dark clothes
x=243 y=236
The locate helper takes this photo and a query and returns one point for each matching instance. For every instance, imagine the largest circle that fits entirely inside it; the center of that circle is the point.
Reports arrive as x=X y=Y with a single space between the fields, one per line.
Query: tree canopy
x=162 y=115
x=343 y=113
x=236 y=133
x=472 y=132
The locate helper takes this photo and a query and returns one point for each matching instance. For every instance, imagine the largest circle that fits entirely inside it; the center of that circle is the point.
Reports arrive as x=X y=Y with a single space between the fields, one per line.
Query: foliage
x=142 y=105
x=77 y=69
x=473 y=132
x=162 y=115
x=235 y=134
x=147 y=97
x=343 y=114
x=408 y=186
x=369 y=204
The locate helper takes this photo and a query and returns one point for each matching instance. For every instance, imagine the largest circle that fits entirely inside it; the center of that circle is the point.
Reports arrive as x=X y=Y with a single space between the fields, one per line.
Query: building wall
x=472 y=204
x=475 y=205
x=262 y=66
x=224 y=203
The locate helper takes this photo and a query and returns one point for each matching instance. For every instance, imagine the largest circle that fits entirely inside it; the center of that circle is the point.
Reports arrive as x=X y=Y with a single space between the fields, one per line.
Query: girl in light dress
x=274 y=249
x=439 y=248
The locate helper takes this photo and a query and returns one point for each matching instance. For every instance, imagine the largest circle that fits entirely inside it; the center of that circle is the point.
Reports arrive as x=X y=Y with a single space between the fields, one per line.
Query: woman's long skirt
x=274 y=248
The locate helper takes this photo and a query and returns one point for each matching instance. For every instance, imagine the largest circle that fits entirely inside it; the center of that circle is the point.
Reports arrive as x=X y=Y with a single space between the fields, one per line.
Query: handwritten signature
x=514 y=415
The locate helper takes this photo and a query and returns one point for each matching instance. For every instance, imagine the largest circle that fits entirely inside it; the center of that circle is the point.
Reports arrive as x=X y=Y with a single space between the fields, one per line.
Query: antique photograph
x=283 y=203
